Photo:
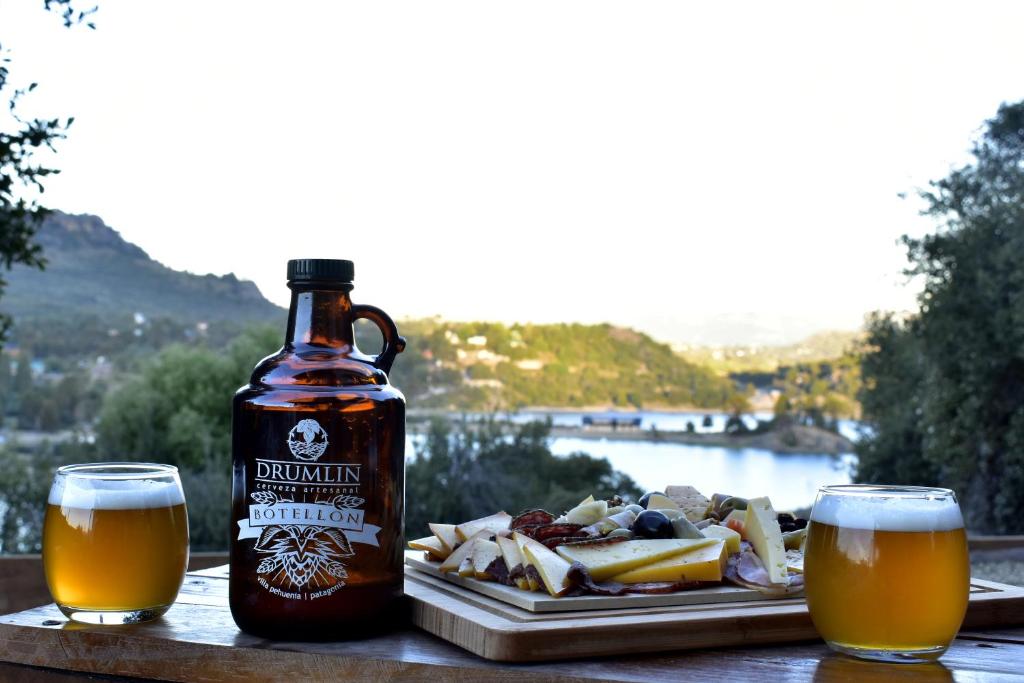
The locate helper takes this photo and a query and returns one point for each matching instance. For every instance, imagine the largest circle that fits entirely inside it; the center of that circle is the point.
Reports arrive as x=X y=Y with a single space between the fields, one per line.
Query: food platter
x=540 y=602
x=672 y=548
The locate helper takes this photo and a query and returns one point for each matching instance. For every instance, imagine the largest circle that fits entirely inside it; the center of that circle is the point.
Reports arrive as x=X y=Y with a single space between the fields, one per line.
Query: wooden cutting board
x=496 y=630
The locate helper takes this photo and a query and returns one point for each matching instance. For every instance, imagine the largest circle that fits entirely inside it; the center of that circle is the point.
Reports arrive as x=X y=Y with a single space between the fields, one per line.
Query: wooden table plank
x=198 y=641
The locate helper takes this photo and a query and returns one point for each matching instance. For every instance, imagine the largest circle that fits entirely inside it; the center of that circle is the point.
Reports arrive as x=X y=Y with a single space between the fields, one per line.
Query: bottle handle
x=394 y=343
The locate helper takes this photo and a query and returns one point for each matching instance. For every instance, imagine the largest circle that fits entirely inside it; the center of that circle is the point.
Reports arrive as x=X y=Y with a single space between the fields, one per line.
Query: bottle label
x=305 y=516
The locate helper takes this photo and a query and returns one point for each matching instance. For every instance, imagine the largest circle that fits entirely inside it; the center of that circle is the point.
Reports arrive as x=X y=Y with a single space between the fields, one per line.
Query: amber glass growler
x=318 y=471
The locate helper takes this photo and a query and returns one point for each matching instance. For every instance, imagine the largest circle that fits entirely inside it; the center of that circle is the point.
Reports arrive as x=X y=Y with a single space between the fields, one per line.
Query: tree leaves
x=944 y=390
x=20 y=218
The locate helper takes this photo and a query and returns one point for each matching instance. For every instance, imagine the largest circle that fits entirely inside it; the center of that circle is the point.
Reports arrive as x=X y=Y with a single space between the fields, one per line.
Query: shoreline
x=805 y=440
x=788 y=440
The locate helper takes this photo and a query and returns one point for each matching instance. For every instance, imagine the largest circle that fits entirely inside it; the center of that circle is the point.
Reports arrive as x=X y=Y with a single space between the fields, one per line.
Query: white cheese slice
x=762 y=530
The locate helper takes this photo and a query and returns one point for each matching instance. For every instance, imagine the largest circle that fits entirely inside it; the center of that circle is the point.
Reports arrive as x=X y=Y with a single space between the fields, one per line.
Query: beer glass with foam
x=115 y=541
x=886 y=570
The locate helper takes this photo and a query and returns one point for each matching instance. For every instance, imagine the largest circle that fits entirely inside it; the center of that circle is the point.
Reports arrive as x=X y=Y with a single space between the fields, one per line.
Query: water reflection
x=791 y=480
x=836 y=667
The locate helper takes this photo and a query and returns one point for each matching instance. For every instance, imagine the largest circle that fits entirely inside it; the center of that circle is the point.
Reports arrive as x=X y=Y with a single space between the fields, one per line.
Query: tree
x=178 y=411
x=944 y=390
x=20 y=217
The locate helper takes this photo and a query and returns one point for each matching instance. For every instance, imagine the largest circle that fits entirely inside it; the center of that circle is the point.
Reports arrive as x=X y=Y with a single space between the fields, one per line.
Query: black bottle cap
x=324 y=270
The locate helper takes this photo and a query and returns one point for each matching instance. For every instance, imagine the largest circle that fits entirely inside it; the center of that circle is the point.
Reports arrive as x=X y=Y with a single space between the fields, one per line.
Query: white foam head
x=106 y=494
x=907 y=510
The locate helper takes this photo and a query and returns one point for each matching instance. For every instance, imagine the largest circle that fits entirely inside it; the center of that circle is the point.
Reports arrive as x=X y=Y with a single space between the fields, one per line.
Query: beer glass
x=115 y=541
x=886 y=570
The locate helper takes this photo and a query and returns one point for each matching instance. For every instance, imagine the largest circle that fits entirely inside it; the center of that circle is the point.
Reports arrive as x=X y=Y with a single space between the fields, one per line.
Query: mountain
x=93 y=271
x=821 y=346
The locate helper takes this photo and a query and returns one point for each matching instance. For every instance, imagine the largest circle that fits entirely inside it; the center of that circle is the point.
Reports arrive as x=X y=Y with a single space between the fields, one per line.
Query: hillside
x=490 y=365
x=93 y=271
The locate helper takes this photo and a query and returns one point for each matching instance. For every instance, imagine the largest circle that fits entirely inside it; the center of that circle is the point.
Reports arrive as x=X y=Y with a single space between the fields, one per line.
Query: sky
x=705 y=172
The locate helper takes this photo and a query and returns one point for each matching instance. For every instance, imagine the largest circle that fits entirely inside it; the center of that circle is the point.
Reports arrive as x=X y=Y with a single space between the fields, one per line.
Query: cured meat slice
x=531 y=518
x=552 y=530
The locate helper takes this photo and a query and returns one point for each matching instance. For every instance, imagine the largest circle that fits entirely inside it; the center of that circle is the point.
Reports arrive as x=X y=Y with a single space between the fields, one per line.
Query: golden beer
x=115 y=541
x=887 y=571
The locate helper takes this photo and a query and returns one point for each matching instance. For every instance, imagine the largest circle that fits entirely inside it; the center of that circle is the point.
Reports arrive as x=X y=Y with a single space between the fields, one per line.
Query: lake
x=790 y=480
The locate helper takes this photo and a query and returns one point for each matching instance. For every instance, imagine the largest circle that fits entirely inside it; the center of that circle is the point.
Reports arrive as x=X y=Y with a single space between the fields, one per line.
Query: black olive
x=653 y=524
x=786 y=527
x=784 y=517
x=800 y=523
x=647 y=496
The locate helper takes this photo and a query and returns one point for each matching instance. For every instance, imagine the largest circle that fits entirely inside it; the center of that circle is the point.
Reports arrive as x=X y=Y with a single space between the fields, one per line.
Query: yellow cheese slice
x=454 y=561
x=513 y=558
x=552 y=568
x=484 y=553
x=605 y=560
x=493 y=523
x=660 y=502
x=761 y=528
x=723 y=533
x=445 y=534
x=702 y=564
x=432 y=545
x=522 y=541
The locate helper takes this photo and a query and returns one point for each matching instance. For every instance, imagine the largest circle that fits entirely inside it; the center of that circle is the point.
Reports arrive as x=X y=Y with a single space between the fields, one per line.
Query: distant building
x=478 y=340
x=530 y=364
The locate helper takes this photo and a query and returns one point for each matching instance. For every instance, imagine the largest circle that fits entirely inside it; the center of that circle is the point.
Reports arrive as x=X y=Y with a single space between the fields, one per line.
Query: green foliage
x=820 y=392
x=944 y=392
x=569 y=365
x=25 y=478
x=177 y=410
x=477 y=469
x=19 y=169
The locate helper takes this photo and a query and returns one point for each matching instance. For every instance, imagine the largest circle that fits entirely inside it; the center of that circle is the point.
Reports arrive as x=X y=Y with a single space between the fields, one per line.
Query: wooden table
x=197 y=641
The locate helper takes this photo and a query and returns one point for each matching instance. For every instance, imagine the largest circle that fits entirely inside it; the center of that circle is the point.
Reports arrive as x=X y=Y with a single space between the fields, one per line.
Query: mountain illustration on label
x=307 y=440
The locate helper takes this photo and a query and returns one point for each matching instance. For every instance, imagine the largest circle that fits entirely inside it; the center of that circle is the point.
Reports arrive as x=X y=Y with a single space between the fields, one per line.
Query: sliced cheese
x=795 y=561
x=608 y=559
x=492 y=523
x=466 y=568
x=723 y=533
x=453 y=562
x=587 y=513
x=656 y=501
x=691 y=501
x=521 y=541
x=761 y=528
x=513 y=558
x=445 y=534
x=702 y=564
x=485 y=552
x=552 y=568
x=432 y=545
